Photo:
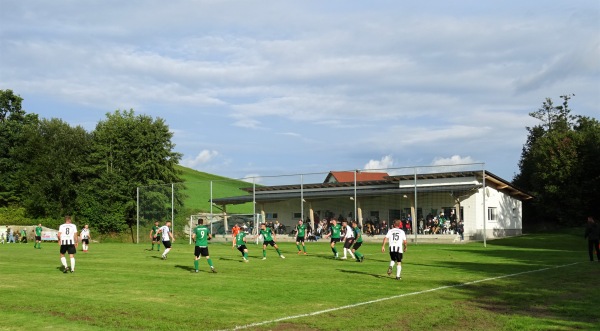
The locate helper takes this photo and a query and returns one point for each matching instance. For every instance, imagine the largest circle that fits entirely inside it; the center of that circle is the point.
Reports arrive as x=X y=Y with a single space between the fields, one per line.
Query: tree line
x=560 y=166
x=49 y=168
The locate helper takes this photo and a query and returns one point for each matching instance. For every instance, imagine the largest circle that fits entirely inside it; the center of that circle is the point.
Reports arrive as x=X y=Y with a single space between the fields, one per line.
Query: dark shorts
x=200 y=251
x=396 y=256
x=38 y=238
x=156 y=239
x=68 y=249
x=85 y=241
x=167 y=244
x=299 y=239
x=357 y=246
x=348 y=242
x=271 y=242
x=241 y=248
x=335 y=240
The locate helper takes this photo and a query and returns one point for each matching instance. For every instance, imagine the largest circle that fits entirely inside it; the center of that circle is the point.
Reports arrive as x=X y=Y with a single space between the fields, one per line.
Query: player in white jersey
x=67 y=239
x=348 y=239
x=397 y=243
x=85 y=238
x=167 y=238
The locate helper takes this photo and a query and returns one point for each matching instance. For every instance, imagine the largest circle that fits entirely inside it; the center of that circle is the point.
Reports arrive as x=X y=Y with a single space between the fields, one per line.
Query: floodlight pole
x=355 y=197
x=484 y=211
x=173 y=206
x=138 y=215
x=414 y=217
x=302 y=197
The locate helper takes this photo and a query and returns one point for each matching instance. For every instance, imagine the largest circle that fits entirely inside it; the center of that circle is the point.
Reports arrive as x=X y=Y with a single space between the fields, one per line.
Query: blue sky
x=278 y=87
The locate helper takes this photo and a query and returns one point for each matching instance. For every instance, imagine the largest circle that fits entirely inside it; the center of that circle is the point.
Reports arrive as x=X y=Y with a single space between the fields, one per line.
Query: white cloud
x=385 y=163
x=204 y=157
x=452 y=160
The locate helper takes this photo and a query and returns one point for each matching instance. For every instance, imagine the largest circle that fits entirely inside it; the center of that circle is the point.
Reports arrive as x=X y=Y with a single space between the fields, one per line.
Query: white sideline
x=393 y=297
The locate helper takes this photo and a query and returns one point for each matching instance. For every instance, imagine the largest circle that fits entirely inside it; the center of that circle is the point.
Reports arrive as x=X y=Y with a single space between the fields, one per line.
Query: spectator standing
x=24 y=235
x=592 y=234
x=461 y=230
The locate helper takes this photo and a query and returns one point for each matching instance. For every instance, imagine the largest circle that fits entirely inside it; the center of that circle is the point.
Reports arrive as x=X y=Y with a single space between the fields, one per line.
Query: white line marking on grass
x=394 y=297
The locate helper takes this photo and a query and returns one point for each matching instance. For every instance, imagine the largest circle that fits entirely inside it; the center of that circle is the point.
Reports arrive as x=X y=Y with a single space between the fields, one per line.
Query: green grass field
x=535 y=282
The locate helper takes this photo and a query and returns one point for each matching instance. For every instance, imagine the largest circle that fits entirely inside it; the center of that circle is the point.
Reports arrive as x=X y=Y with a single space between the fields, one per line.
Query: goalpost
x=221 y=224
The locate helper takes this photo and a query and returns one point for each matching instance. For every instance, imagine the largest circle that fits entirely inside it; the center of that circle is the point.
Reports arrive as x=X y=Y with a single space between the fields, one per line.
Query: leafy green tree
x=128 y=151
x=13 y=123
x=557 y=165
x=53 y=159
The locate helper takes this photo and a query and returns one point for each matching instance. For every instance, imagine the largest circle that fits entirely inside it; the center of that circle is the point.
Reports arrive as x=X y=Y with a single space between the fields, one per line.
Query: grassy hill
x=198 y=191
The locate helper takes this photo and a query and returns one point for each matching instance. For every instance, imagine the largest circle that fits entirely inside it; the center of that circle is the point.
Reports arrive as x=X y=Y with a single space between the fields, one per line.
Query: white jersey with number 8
x=67 y=233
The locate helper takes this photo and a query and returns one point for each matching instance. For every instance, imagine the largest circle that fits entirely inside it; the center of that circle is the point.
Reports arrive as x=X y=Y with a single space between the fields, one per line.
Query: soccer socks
x=358 y=255
x=398 y=270
x=210 y=263
x=264 y=253
x=152 y=247
x=392 y=264
x=298 y=246
x=196 y=264
x=72 y=264
x=166 y=252
x=63 y=260
x=278 y=251
x=304 y=248
x=334 y=251
x=158 y=245
x=245 y=256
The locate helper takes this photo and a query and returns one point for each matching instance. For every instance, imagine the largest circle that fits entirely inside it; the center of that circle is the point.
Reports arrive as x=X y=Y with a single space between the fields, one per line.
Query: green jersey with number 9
x=201 y=232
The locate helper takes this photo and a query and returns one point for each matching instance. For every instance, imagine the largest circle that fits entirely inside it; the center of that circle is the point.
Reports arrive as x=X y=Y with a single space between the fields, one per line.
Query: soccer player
x=301 y=229
x=201 y=235
x=348 y=235
x=334 y=232
x=155 y=236
x=67 y=239
x=240 y=241
x=235 y=230
x=357 y=242
x=268 y=239
x=167 y=238
x=85 y=238
x=38 y=236
x=397 y=243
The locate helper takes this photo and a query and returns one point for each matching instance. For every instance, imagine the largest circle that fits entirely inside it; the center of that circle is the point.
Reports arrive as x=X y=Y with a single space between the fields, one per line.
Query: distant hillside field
x=197 y=190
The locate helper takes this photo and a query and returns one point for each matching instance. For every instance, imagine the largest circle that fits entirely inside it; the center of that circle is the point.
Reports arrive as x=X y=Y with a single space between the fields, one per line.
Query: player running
x=334 y=232
x=167 y=238
x=201 y=235
x=240 y=241
x=397 y=243
x=301 y=234
x=268 y=239
x=155 y=236
x=357 y=242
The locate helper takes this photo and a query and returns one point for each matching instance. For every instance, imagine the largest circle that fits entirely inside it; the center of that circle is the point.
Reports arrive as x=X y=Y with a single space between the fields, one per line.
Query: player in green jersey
x=155 y=236
x=201 y=235
x=334 y=232
x=301 y=234
x=38 y=236
x=357 y=242
x=268 y=239
x=240 y=241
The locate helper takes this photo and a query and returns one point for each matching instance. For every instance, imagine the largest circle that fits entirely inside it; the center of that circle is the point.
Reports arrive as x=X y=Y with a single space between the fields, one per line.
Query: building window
x=271 y=216
x=297 y=215
x=492 y=214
